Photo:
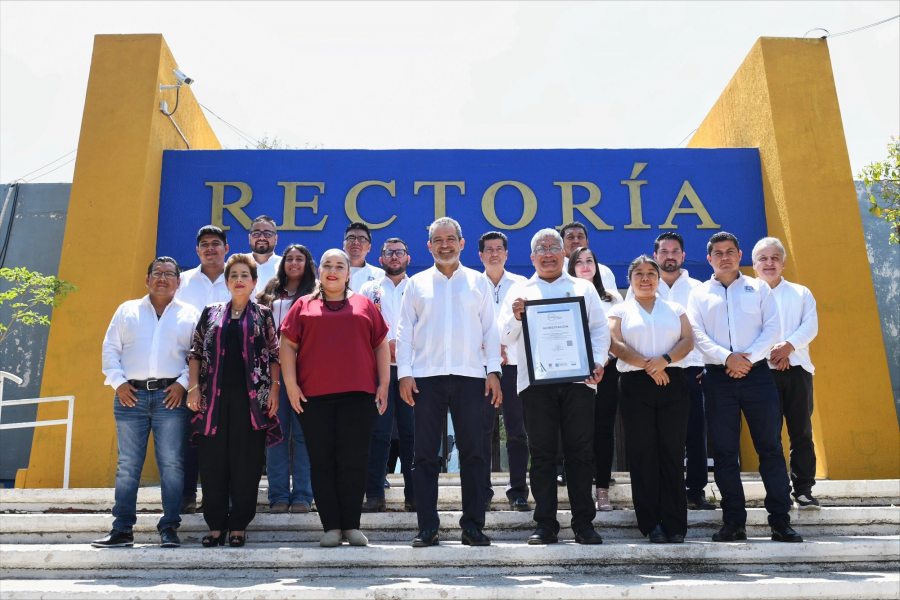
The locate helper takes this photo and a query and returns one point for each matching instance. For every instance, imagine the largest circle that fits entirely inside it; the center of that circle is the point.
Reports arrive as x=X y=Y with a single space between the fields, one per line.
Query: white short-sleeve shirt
x=650 y=334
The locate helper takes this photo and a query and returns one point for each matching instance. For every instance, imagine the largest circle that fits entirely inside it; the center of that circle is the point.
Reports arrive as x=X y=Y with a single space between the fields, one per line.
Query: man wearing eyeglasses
x=559 y=409
x=387 y=293
x=357 y=243
x=144 y=360
x=199 y=287
x=263 y=239
x=493 y=252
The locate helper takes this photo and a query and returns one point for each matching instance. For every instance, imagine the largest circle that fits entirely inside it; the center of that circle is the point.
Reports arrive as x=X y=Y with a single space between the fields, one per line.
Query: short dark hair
x=243 y=259
x=163 y=259
x=394 y=240
x=493 y=235
x=361 y=226
x=668 y=235
x=640 y=260
x=722 y=236
x=572 y=225
x=211 y=230
x=263 y=219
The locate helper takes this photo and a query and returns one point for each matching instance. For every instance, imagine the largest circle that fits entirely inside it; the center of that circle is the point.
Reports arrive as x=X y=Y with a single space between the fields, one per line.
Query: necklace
x=236 y=314
x=328 y=304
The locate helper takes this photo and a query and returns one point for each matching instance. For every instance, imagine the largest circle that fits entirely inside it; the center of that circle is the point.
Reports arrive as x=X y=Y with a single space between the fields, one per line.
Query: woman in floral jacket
x=233 y=388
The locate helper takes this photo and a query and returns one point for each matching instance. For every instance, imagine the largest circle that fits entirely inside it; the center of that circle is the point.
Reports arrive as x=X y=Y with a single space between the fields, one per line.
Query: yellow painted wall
x=783 y=100
x=110 y=238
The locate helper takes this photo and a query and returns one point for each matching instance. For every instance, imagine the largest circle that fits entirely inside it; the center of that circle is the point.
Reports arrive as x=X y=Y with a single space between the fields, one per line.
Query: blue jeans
x=133 y=426
x=288 y=461
x=379 y=449
x=755 y=396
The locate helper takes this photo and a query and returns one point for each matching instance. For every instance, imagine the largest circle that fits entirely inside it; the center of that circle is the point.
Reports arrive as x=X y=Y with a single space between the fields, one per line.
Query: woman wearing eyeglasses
x=651 y=337
x=336 y=361
x=583 y=265
x=233 y=388
x=287 y=464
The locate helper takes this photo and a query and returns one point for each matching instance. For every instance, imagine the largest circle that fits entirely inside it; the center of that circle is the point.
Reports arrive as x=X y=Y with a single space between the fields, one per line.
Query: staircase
x=852 y=550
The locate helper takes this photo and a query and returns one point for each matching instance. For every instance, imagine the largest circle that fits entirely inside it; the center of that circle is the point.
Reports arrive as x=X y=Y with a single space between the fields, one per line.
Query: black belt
x=151 y=385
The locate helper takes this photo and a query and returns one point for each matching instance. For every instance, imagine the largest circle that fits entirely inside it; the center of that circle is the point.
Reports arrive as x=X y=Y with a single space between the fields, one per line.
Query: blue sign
x=624 y=197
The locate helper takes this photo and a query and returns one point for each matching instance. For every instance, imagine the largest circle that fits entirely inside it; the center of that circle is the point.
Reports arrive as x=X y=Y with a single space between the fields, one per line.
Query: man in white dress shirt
x=493 y=251
x=145 y=362
x=675 y=285
x=446 y=336
x=791 y=365
x=558 y=408
x=200 y=287
x=263 y=238
x=386 y=293
x=357 y=243
x=735 y=322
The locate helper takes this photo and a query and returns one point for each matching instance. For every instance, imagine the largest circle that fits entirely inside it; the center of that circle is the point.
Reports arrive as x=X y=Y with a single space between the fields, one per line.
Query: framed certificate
x=557 y=340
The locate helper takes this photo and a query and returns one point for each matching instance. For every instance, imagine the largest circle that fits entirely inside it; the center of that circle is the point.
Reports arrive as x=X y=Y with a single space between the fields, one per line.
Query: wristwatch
x=668 y=358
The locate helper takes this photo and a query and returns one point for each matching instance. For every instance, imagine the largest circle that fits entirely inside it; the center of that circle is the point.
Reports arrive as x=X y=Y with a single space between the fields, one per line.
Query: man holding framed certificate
x=561 y=333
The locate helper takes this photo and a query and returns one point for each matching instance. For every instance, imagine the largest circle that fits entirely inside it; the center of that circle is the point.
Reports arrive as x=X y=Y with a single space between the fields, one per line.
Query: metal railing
x=67 y=421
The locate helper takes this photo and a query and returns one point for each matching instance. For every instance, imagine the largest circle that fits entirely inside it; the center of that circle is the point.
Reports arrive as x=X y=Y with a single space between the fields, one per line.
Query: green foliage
x=29 y=292
x=885 y=174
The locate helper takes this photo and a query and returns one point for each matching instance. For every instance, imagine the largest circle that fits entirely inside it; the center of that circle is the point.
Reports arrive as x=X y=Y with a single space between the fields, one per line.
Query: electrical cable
x=12 y=198
x=247 y=137
x=22 y=178
x=36 y=177
x=854 y=30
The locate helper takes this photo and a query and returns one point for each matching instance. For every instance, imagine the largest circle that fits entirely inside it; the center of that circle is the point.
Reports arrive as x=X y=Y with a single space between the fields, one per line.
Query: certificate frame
x=557 y=340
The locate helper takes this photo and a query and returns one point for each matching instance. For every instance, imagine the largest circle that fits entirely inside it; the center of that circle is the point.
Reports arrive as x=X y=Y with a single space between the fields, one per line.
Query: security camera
x=182 y=78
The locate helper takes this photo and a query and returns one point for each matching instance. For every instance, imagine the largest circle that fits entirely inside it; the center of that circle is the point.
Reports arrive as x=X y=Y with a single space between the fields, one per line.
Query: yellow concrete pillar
x=110 y=238
x=783 y=100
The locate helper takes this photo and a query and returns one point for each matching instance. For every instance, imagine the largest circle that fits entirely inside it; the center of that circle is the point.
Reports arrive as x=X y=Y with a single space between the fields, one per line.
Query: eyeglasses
x=356 y=238
x=398 y=253
x=258 y=233
x=542 y=250
x=163 y=275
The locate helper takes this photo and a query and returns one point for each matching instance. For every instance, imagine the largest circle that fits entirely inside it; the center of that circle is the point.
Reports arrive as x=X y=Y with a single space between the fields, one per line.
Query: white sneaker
x=331 y=539
x=806 y=502
x=355 y=537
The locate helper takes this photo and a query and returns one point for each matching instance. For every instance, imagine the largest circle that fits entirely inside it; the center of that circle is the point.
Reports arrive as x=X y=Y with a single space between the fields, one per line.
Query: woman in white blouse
x=583 y=265
x=650 y=336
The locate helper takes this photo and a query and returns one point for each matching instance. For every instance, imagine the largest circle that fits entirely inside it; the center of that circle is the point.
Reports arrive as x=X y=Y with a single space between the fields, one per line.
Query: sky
x=437 y=74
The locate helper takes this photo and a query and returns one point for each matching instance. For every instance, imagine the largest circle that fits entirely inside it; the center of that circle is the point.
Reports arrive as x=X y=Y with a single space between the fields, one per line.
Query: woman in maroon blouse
x=336 y=369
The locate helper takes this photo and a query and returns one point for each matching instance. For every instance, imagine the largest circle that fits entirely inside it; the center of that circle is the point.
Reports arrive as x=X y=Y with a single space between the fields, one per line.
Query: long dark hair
x=275 y=288
x=596 y=280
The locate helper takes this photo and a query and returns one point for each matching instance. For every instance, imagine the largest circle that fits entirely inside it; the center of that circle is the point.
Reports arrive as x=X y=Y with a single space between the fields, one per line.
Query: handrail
x=31 y=424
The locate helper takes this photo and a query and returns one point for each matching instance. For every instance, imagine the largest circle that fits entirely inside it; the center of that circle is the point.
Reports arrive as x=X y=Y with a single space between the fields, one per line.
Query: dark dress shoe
x=373 y=505
x=279 y=507
x=785 y=533
x=474 y=537
x=236 y=541
x=168 y=538
x=211 y=541
x=699 y=503
x=676 y=538
x=425 y=538
x=730 y=533
x=115 y=539
x=520 y=504
x=541 y=536
x=658 y=535
x=588 y=535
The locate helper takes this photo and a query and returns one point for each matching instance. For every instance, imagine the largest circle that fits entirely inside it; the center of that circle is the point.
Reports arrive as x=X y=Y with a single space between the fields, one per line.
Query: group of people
x=268 y=360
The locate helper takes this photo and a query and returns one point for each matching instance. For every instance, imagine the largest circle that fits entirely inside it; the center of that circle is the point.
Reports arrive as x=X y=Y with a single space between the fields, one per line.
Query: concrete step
x=47 y=561
x=82 y=528
x=878 y=492
x=474 y=584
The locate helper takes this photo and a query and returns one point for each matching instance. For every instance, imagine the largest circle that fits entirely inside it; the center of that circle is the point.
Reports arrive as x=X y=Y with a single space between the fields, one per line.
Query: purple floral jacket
x=259 y=341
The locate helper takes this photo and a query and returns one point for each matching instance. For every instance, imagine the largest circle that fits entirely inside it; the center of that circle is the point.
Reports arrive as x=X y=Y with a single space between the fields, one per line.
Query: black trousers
x=695 y=444
x=516 y=440
x=230 y=465
x=551 y=410
x=338 y=431
x=656 y=418
x=607 y=398
x=795 y=390
x=464 y=396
